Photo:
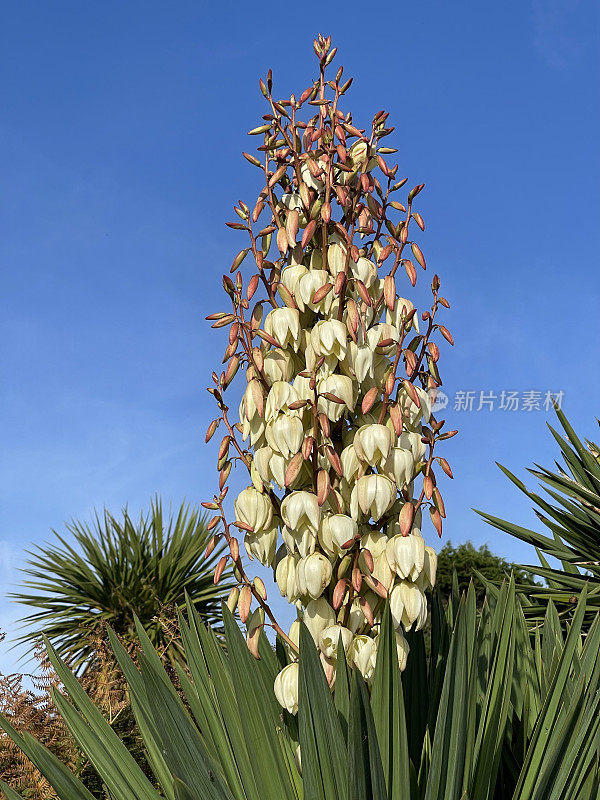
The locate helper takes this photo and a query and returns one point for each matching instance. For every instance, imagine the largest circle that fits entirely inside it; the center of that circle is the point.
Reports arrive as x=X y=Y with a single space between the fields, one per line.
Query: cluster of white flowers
x=320 y=371
x=335 y=419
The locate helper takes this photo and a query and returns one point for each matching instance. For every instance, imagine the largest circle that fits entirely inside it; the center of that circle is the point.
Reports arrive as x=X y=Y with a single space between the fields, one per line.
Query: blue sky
x=121 y=132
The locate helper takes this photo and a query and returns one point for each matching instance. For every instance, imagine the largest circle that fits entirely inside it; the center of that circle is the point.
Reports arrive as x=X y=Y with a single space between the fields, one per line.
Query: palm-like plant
x=495 y=714
x=116 y=570
x=574 y=524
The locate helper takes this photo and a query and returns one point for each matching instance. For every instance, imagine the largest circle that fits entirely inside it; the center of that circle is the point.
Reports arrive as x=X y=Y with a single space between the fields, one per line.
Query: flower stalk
x=335 y=428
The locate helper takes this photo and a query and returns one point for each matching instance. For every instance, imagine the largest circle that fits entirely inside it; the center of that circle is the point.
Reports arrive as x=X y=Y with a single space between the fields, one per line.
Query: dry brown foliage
x=26 y=701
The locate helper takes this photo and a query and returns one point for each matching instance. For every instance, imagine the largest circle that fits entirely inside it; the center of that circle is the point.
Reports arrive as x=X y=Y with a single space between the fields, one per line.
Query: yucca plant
x=573 y=521
x=495 y=714
x=117 y=569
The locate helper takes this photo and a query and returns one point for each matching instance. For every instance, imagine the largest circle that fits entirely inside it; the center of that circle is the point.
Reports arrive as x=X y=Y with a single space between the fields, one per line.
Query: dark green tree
x=467 y=560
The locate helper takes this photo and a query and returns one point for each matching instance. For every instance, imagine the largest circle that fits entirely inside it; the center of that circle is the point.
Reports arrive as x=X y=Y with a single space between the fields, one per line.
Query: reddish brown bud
x=293 y=469
x=219 y=569
x=340 y=282
x=338 y=594
x=234 y=548
x=282 y=241
x=446 y=467
x=252 y=287
x=416 y=251
x=362 y=290
x=436 y=519
x=412 y=393
x=428 y=486
x=369 y=400
x=407 y=515
x=245 y=602
x=367 y=611
x=396 y=417
x=323 y=486
x=368 y=558
x=212 y=544
x=389 y=291
x=446 y=334
x=308 y=232
x=410 y=271
x=334 y=460
x=307 y=446
x=439 y=503
x=321 y=293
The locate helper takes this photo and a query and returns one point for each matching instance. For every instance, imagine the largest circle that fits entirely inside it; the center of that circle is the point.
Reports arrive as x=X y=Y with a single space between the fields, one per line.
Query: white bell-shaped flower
x=373 y=443
x=382 y=332
x=343 y=387
x=399 y=465
x=285 y=434
x=308 y=285
x=278 y=365
x=262 y=545
x=363 y=654
x=406 y=555
x=411 y=440
x=281 y=395
x=286 y=687
x=291 y=277
x=330 y=639
x=408 y=605
x=285 y=576
x=313 y=574
x=403 y=649
x=351 y=466
x=430 y=566
x=309 y=179
x=317 y=616
x=373 y=495
x=359 y=361
x=301 y=540
x=329 y=338
x=364 y=270
x=283 y=324
x=301 y=510
x=398 y=316
x=254 y=509
x=336 y=530
x=248 y=408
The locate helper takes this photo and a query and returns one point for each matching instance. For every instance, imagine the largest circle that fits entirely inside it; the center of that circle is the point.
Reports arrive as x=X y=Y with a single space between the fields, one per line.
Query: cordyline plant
x=335 y=424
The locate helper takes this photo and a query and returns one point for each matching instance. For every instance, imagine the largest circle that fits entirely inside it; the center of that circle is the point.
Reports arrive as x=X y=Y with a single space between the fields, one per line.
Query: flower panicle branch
x=335 y=426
